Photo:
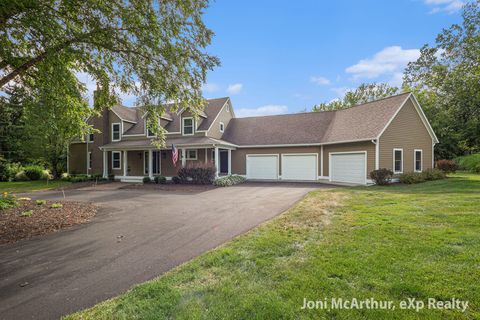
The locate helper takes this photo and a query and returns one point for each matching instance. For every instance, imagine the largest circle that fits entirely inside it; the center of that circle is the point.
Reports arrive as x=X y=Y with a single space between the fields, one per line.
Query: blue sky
x=286 y=56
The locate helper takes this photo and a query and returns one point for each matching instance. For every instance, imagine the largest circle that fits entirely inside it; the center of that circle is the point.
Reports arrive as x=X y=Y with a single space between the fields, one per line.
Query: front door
x=224 y=161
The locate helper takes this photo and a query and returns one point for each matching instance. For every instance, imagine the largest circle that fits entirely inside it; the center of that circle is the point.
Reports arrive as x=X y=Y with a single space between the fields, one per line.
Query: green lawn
x=390 y=243
x=27 y=186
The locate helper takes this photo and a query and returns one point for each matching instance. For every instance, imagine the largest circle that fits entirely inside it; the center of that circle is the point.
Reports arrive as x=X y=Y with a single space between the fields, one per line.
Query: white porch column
x=229 y=161
x=206 y=155
x=150 y=164
x=159 y=154
x=184 y=157
x=105 y=164
x=125 y=163
x=217 y=162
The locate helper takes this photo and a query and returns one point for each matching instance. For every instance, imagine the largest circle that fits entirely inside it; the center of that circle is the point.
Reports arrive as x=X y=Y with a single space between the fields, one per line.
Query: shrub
x=447 y=166
x=417 y=177
x=3 y=169
x=8 y=201
x=56 y=206
x=8 y=170
x=27 y=213
x=433 y=174
x=176 y=180
x=200 y=173
x=147 y=180
x=40 y=202
x=111 y=177
x=469 y=163
x=21 y=176
x=411 y=177
x=229 y=181
x=160 y=180
x=34 y=172
x=381 y=176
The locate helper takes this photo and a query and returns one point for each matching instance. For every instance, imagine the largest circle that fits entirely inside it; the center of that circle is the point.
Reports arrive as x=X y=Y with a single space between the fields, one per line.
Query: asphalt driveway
x=136 y=236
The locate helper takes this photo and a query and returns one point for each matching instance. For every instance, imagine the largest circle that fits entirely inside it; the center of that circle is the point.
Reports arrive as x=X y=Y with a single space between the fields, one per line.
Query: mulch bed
x=170 y=187
x=14 y=227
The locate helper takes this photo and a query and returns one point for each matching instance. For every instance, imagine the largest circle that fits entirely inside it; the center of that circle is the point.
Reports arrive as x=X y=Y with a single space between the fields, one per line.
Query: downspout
x=376 y=142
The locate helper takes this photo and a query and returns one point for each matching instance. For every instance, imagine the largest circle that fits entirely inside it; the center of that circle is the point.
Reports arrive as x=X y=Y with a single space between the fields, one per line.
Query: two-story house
x=339 y=146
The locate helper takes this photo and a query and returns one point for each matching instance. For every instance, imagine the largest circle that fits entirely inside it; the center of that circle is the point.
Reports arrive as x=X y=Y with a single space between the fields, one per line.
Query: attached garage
x=349 y=167
x=300 y=167
x=262 y=166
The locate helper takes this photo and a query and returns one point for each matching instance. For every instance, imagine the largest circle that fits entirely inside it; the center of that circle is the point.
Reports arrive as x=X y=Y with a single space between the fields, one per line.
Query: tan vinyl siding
x=346 y=147
x=225 y=117
x=406 y=132
x=239 y=156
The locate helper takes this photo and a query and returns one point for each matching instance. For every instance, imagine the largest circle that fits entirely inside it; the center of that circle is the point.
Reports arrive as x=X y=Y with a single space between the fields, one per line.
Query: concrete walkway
x=136 y=236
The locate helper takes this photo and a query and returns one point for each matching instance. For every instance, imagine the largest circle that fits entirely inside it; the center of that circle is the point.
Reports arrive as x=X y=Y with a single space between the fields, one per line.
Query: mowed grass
x=390 y=243
x=27 y=186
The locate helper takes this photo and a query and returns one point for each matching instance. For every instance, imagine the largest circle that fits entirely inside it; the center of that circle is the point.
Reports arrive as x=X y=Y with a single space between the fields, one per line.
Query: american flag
x=174 y=154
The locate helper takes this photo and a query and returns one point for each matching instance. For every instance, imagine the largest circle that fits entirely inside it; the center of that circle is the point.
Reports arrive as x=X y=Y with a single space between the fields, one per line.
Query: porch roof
x=199 y=142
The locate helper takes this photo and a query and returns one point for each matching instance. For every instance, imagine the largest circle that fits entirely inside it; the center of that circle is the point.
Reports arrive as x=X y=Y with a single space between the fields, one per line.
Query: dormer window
x=150 y=133
x=222 y=127
x=187 y=126
x=115 y=131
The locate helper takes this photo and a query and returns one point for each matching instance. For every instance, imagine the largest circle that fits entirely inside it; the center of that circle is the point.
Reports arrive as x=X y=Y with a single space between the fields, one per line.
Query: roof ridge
x=319 y=112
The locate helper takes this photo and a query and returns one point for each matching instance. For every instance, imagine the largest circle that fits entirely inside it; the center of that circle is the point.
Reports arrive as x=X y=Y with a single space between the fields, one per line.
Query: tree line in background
x=446 y=81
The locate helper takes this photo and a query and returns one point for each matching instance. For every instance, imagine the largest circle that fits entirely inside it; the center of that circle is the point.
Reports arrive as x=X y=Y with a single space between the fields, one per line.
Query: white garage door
x=262 y=167
x=299 y=167
x=348 y=167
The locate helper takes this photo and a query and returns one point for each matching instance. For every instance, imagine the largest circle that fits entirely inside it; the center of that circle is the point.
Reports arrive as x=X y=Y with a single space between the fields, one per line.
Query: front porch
x=133 y=164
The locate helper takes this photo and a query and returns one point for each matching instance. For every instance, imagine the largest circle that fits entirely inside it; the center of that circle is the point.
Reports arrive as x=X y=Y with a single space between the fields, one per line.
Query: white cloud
x=448 y=6
x=210 y=87
x=321 y=81
x=234 y=88
x=388 y=62
x=266 y=110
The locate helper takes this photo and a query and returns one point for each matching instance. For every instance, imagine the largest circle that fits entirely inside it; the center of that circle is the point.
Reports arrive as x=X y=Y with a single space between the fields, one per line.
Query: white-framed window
x=90 y=137
x=116 y=135
x=89 y=160
x=150 y=133
x=418 y=160
x=116 y=160
x=222 y=127
x=191 y=154
x=397 y=160
x=187 y=126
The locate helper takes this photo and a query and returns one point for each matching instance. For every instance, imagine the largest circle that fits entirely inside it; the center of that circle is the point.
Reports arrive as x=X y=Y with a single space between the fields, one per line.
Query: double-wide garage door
x=294 y=167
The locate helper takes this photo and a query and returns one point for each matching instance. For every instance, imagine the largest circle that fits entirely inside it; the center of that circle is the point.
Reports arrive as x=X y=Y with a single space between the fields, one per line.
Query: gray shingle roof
x=209 y=114
x=362 y=122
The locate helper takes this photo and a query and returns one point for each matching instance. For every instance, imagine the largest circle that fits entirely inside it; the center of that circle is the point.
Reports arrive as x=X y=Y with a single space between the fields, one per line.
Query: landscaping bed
x=170 y=187
x=20 y=223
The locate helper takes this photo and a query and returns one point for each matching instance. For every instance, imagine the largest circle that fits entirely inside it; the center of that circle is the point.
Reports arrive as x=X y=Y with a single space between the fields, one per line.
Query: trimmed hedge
x=83 y=178
x=229 y=181
x=147 y=180
x=418 y=177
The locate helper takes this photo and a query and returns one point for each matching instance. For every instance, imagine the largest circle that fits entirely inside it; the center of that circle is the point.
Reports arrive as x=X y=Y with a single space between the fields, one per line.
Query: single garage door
x=262 y=167
x=348 y=167
x=299 y=167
